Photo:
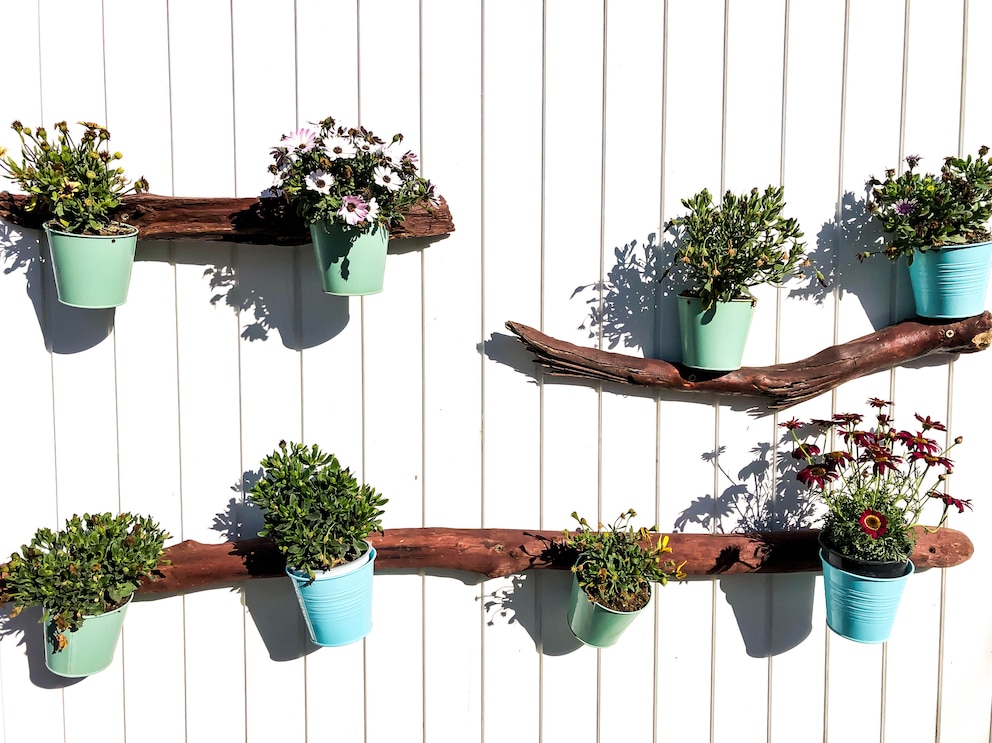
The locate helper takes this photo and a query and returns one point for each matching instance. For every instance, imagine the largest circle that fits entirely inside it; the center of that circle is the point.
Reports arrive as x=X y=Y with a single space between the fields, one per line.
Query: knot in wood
x=498 y=547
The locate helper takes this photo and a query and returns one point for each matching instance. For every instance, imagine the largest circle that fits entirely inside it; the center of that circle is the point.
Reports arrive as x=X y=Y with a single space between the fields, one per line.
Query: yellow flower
x=678 y=570
x=664 y=544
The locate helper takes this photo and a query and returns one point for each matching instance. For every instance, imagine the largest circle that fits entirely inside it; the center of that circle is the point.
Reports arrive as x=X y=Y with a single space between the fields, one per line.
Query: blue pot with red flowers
x=863 y=607
x=875 y=481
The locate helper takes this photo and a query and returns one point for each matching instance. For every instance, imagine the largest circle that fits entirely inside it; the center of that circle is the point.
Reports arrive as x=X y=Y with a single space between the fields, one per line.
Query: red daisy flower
x=961 y=504
x=917 y=443
x=817 y=474
x=805 y=451
x=792 y=424
x=873 y=524
x=928 y=424
x=876 y=402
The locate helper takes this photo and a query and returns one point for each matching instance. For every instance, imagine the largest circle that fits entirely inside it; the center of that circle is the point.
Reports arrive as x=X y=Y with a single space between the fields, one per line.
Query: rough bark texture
x=784 y=384
x=257 y=221
x=501 y=552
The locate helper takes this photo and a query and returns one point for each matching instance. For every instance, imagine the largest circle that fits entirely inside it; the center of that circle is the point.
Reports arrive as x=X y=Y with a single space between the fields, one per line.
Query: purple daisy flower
x=905 y=207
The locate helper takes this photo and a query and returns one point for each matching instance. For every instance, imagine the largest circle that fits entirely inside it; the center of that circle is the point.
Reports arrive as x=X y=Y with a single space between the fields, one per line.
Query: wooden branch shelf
x=257 y=221
x=498 y=553
x=784 y=384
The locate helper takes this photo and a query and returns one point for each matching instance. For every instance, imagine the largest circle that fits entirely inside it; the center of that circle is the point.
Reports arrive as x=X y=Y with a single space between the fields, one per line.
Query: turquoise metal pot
x=714 y=339
x=90 y=649
x=593 y=623
x=92 y=271
x=950 y=282
x=862 y=608
x=351 y=263
x=337 y=604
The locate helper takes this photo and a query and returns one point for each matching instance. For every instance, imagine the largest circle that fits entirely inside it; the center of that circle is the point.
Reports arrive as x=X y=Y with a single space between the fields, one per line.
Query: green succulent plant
x=616 y=563
x=723 y=250
x=316 y=511
x=91 y=566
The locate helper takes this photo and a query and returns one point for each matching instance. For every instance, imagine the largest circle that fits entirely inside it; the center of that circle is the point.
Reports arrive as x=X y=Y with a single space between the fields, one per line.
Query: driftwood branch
x=501 y=552
x=785 y=384
x=257 y=221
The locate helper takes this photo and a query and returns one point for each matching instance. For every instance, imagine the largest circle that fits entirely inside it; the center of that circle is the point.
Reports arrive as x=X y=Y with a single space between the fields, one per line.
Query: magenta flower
x=960 y=504
x=928 y=424
x=353 y=210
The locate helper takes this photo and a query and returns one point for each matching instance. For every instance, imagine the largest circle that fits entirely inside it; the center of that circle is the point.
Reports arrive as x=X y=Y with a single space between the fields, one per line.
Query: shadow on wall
x=773 y=612
x=27 y=625
x=271 y=602
x=538 y=602
x=236 y=276
x=65 y=329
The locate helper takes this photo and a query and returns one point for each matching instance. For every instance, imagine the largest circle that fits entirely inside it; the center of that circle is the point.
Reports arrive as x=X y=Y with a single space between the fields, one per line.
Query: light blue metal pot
x=861 y=608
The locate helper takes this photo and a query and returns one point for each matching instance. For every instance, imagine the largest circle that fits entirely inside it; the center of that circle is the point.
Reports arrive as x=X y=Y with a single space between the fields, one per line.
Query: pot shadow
x=271 y=601
x=773 y=612
x=28 y=625
x=298 y=311
x=538 y=602
x=65 y=330
x=842 y=241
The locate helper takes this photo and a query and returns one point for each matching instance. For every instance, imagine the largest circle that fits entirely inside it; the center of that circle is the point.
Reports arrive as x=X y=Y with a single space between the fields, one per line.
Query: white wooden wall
x=559 y=132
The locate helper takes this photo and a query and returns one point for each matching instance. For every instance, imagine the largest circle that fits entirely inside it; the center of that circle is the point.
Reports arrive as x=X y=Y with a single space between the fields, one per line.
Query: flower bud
x=959 y=440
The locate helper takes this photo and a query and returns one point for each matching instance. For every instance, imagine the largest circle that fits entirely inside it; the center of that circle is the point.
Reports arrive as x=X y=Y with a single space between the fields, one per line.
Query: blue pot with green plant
x=612 y=576
x=320 y=517
x=939 y=224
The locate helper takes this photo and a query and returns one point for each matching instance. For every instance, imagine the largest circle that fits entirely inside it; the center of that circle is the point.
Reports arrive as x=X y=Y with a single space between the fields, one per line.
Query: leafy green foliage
x=924 y=211
x=316 y=512
x=90 y=567
x=723 y=250
x=77 y=182
x=615 y=566
x=875 y=480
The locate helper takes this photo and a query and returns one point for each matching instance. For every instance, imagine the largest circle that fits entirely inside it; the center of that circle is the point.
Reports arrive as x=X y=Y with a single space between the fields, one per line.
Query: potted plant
x=612 y=576
x=349 y=186
x=84 y=577
x=939 y=223
x=720 y=252
x=875 y=487
x=320 y=519
x=80 y=186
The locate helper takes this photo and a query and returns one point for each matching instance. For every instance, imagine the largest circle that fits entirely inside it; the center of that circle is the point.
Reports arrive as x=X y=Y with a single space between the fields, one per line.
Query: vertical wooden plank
x=83 y=366
x=755 y=38
x=207 y=348
x=687 y=502
x=932 y=133
x=392 y=324
x=148 y=424
x=201 y=75
x=511 y=257
x=965 y=691
x=815 y=76
x=208 y=360
x=451 y=155
x=275 y=636
x=27 y=444
x=331 y=343
x=572 y=257
x=631 y=221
